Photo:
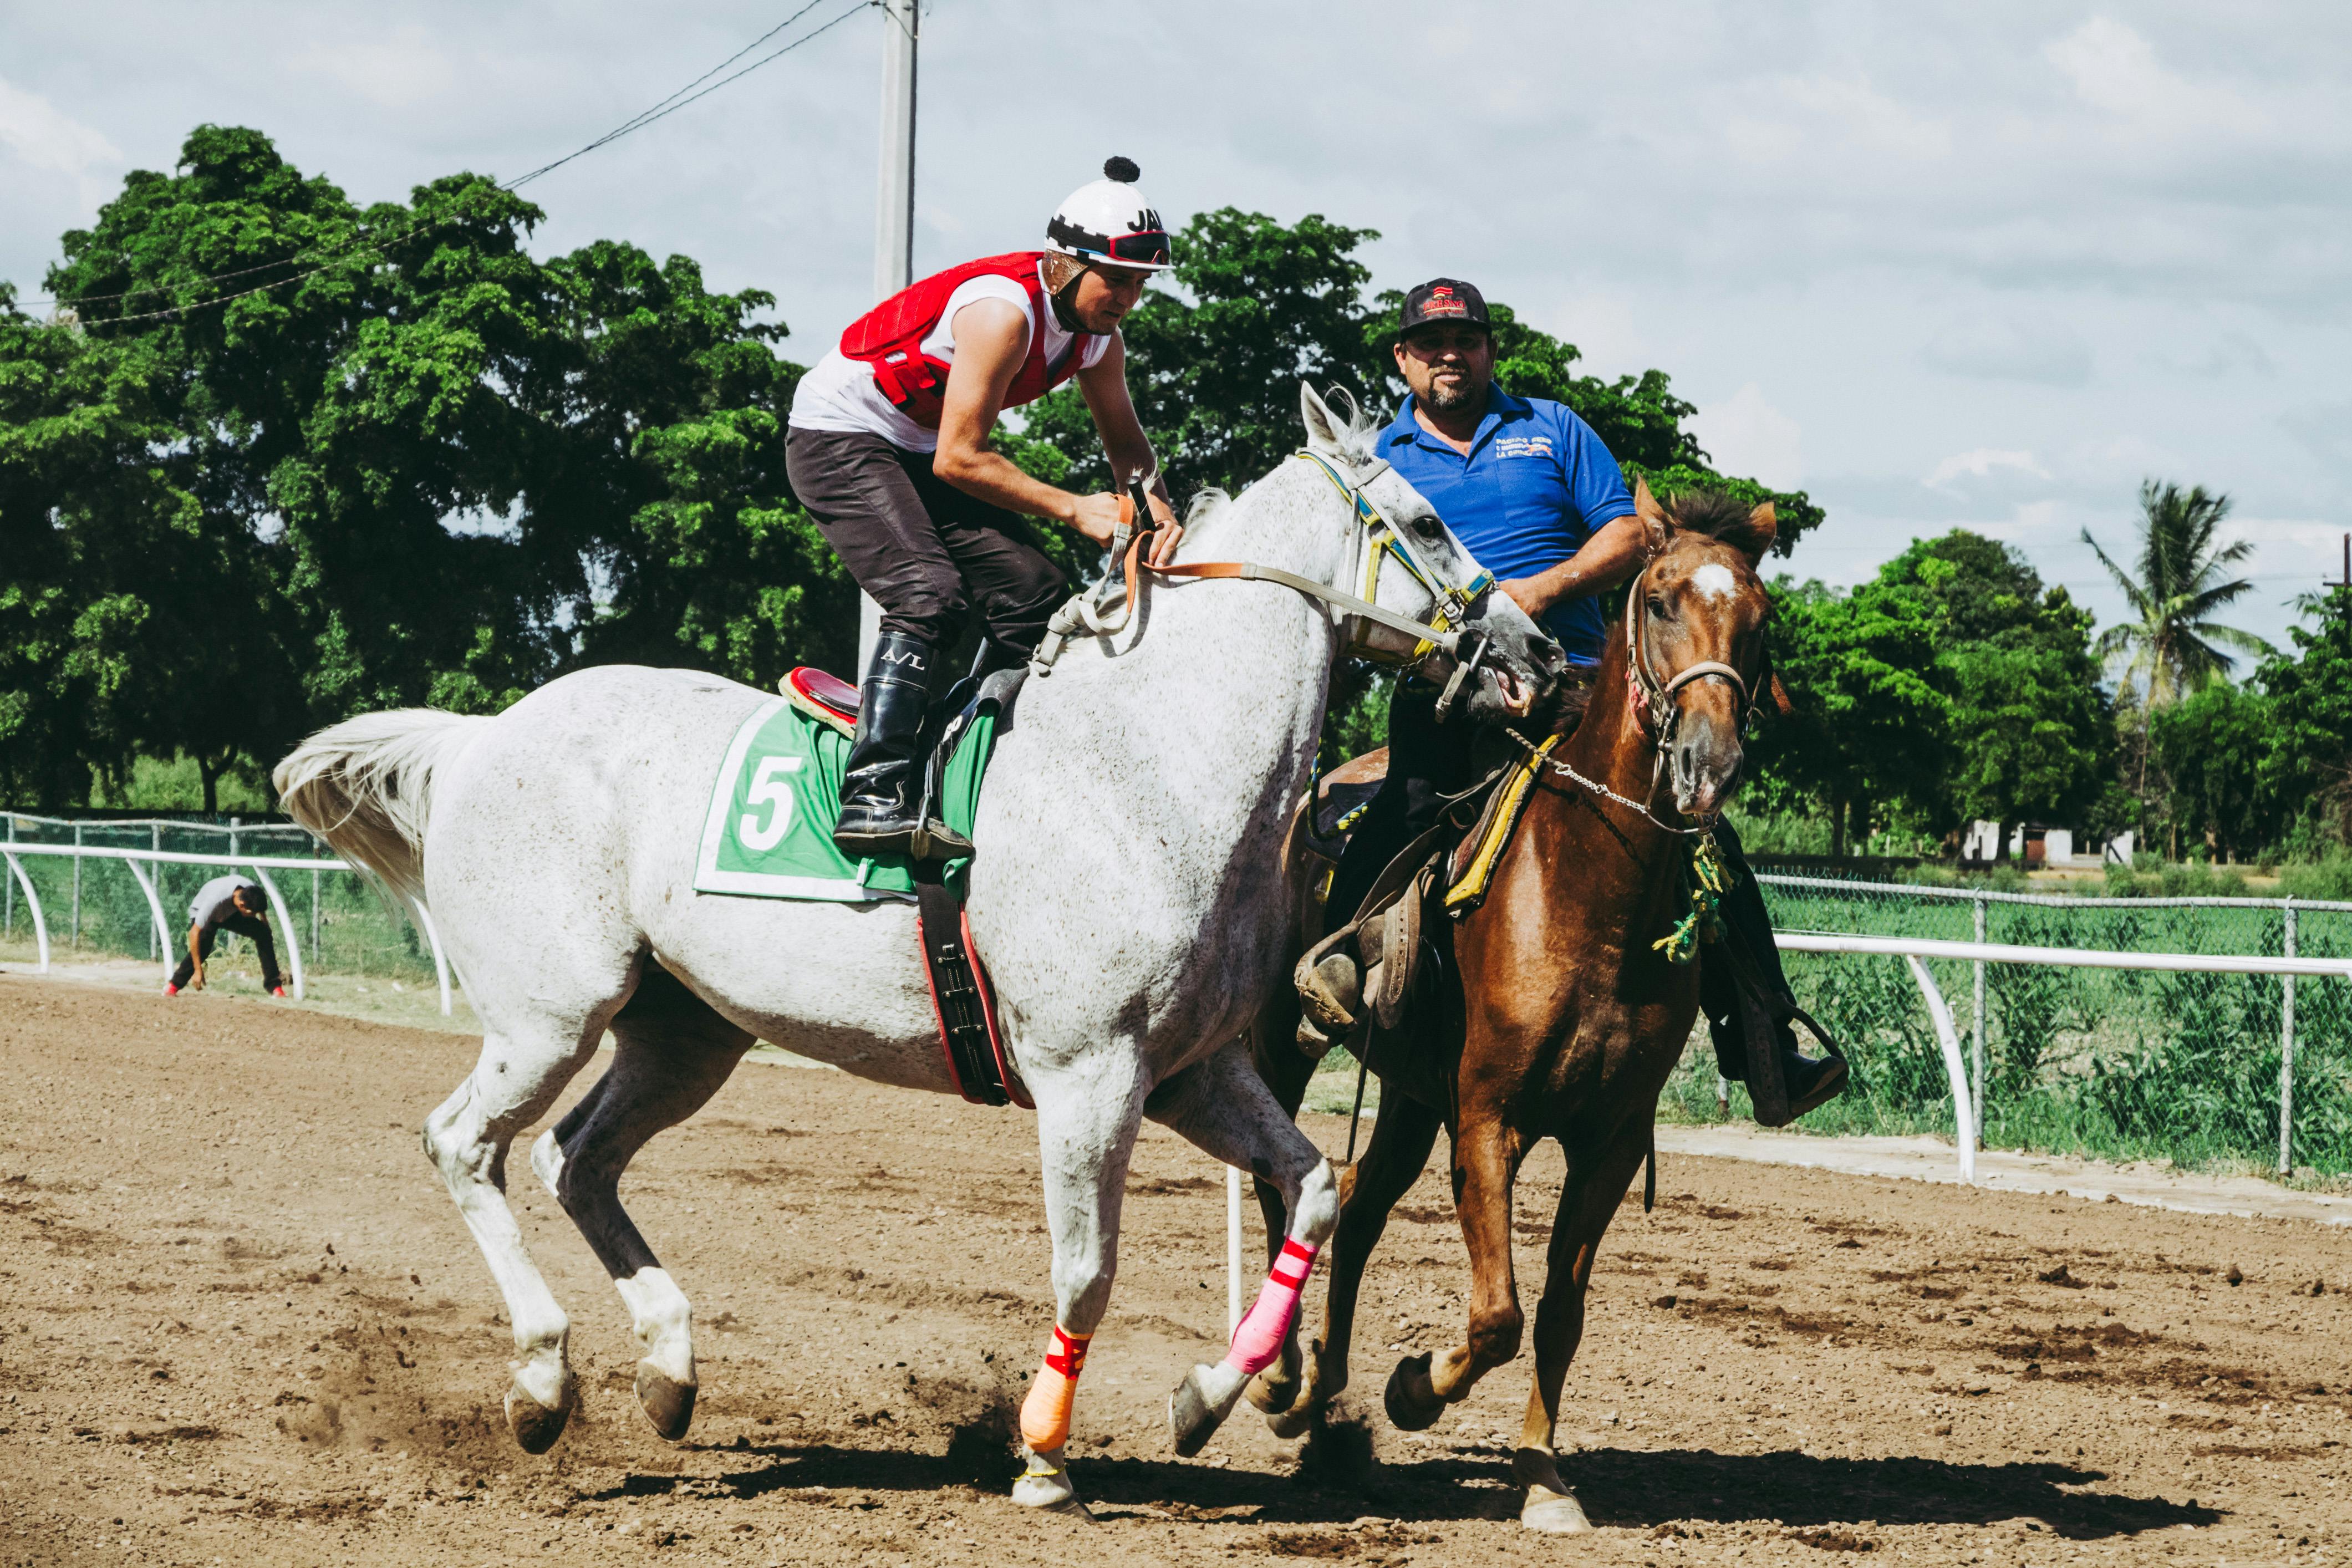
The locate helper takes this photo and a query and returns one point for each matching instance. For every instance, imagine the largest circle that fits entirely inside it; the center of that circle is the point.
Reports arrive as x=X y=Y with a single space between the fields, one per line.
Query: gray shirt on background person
x=215 y=901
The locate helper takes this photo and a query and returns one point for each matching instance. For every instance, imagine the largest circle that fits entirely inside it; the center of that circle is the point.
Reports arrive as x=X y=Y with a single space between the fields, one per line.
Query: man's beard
x=1447 y=397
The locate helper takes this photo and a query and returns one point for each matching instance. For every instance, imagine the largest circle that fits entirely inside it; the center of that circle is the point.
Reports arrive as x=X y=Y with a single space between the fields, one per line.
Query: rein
x=1132 y=543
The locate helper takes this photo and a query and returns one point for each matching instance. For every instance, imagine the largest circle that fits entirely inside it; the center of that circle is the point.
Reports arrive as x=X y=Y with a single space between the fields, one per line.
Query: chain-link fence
x=2116 y=1063
x=95 y=907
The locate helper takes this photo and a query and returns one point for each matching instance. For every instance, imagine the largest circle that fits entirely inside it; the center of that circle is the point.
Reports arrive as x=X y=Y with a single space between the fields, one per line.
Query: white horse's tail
x=365 y=785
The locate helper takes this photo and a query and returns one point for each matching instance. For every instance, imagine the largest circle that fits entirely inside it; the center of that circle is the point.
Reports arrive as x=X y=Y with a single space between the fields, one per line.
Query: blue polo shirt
x=1535 y=484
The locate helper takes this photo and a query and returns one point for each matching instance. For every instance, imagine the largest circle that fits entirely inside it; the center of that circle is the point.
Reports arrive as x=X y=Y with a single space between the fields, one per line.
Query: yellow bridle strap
x=1453 y=605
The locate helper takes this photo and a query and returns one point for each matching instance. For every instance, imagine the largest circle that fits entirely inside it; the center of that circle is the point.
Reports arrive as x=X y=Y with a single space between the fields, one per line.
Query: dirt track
x=242 y=1323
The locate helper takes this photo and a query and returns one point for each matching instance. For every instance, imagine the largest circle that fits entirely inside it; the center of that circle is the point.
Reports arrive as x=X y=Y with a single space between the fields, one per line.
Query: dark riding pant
x=1427 y=761
x=927 y=553
x=254 y=926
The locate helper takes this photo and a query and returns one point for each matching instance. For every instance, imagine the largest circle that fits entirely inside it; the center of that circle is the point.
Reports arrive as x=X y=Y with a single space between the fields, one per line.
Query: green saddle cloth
x=768 y=834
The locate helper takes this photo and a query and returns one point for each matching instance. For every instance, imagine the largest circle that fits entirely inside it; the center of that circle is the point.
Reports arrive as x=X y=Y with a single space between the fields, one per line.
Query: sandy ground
x=241 y=1323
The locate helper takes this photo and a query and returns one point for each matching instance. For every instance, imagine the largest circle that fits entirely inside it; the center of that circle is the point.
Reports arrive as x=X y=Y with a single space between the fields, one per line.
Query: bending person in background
x=227 y=903
x=888 y=450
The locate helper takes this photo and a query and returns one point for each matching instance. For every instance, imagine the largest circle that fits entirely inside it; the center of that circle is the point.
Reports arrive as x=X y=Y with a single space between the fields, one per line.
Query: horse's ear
x=1656 y=526
x=1755 y=539
x=1323 y=426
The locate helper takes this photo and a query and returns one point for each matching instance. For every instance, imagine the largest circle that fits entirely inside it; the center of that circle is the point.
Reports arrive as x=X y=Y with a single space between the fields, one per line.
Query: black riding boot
x=1808 y=1081
x=878 y=785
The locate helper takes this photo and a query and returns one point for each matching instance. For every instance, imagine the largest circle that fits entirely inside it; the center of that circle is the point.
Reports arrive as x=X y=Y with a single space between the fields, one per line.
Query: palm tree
x=2170 y=650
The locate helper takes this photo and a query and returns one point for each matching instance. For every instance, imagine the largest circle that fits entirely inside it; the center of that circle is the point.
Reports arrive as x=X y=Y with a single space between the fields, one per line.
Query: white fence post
x=32 y=903
x=163 y=939
x=440 y=961
x=1233 y=1248
x=10 y=884
x=76 y=896
x=161 y=946
x=286 y=924
x=2287 y=1052
x=1964 y=1111
x=1978 y=1027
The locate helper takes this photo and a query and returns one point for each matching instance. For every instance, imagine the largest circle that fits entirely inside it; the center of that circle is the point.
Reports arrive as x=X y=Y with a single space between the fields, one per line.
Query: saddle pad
x=769 y=833
x=1474 y=862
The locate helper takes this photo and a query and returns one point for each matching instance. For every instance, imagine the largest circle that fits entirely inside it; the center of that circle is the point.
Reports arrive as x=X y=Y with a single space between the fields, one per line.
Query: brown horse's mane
x=1719 y=515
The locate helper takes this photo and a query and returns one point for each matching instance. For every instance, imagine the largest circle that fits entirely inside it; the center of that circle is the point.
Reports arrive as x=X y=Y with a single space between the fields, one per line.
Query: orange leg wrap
x=1046 y=1414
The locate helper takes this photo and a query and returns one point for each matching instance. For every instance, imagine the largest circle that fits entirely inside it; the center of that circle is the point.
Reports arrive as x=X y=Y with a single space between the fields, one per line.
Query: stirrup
x=1330 y=990
x=935 y=840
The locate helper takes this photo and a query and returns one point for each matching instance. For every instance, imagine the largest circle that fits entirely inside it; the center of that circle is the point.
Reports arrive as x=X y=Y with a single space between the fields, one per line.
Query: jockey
x=1534 y=497
x=888 y=450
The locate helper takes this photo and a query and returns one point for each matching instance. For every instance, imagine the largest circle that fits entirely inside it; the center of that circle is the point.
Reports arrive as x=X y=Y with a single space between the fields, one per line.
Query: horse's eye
x=1427 y=527
x=1658 y=605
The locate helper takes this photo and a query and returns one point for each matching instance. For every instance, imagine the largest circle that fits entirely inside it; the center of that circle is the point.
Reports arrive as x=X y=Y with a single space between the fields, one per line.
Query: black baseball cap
x=1442 y=301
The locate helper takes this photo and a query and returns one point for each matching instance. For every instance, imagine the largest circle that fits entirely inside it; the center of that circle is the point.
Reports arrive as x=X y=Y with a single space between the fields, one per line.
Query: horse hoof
x=1295 y=1421
x=1275 y=1389
x=1553 y=1514
x=1046 y=1485
x=536 y=1426
x=1201 y=1404
x=1413 y=1405
x=668 y=1404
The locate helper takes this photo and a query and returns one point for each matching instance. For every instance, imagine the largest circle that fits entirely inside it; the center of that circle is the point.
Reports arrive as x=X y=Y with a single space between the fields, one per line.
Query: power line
x=660 y=110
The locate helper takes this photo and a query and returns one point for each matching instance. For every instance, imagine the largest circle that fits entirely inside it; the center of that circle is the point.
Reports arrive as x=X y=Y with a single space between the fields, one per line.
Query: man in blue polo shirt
x=1534 y=497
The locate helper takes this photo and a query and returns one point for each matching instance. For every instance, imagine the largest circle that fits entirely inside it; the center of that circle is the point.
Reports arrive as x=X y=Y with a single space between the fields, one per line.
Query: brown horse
x=1562 y=1019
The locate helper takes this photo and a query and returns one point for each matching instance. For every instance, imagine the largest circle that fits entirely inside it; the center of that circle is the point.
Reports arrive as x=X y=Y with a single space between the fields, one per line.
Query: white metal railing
x=1968 y=1110
x=260 y=866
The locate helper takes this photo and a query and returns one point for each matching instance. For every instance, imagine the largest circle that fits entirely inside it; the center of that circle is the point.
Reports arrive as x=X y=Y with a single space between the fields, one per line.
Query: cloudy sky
x=1941 y=265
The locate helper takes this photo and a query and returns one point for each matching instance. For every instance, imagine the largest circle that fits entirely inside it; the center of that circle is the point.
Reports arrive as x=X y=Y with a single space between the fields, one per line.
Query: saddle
x=962 y=1000
x=1405 y=922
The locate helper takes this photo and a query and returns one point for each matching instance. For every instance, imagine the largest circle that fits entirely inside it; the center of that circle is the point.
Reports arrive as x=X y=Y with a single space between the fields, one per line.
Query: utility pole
x=894 y=215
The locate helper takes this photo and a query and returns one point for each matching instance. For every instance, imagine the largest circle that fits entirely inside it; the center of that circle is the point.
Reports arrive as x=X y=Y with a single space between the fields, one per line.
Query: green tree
x=1951 y=686
x=2210 y=748
x=2169 y=648
x=448 y=471
x=2307 y=763
x=1868 y=719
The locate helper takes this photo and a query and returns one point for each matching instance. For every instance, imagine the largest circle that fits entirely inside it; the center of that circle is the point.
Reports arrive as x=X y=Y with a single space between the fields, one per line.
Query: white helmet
x=1109 y=220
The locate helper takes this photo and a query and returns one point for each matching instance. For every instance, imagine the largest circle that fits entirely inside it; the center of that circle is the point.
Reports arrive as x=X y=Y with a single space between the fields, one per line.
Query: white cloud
x=42 y=137
x=1982 y=463
x=1747 y=435
x=2116 y=69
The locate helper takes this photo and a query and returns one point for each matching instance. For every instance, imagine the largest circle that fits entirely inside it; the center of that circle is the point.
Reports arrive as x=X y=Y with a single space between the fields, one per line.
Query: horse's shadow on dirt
x=1621 y=1488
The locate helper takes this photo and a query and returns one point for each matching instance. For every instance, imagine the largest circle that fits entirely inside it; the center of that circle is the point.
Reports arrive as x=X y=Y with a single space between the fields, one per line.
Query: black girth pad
x=960 y=997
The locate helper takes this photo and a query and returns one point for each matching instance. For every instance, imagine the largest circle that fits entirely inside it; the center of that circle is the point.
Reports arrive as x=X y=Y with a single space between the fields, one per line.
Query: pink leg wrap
x=1046 y=1414
x=1257 y=1342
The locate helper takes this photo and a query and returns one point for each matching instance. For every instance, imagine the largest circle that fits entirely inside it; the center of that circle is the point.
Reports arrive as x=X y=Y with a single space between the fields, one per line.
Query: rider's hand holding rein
x=991 y=337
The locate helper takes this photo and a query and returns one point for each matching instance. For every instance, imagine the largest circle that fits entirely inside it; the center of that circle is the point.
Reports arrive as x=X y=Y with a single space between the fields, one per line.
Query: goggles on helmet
x=1139 y=248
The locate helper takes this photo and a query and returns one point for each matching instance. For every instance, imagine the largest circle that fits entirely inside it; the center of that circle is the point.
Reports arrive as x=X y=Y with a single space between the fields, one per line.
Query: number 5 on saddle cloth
x=768 y=834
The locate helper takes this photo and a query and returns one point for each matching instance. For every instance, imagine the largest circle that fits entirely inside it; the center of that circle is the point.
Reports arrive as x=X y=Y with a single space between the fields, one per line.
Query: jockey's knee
x=1018 y=614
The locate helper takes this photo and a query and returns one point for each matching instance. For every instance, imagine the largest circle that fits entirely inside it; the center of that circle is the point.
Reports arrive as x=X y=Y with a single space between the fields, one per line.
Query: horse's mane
x=1716 y=514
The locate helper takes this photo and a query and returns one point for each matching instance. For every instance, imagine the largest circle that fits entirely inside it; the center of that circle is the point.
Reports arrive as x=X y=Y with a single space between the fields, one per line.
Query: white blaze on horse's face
x=1715 y=581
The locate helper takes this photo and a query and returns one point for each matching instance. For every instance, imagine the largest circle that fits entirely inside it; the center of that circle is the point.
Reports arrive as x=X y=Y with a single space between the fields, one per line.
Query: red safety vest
x=890 y=336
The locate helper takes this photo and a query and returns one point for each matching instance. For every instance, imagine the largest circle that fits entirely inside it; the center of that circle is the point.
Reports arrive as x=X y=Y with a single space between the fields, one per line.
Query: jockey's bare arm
x=1613 y=553
x=991 y=339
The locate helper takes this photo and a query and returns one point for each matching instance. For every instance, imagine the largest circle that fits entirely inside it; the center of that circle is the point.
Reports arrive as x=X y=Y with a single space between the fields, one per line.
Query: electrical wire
x=660 y=110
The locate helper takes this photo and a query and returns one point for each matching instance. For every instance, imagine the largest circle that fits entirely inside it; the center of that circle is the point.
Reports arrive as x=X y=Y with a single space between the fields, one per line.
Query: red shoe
x=169 y=989
x=278 y=991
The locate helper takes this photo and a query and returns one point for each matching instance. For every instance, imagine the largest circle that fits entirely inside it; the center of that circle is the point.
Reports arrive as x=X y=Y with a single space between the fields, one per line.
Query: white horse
x=1126 y=898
